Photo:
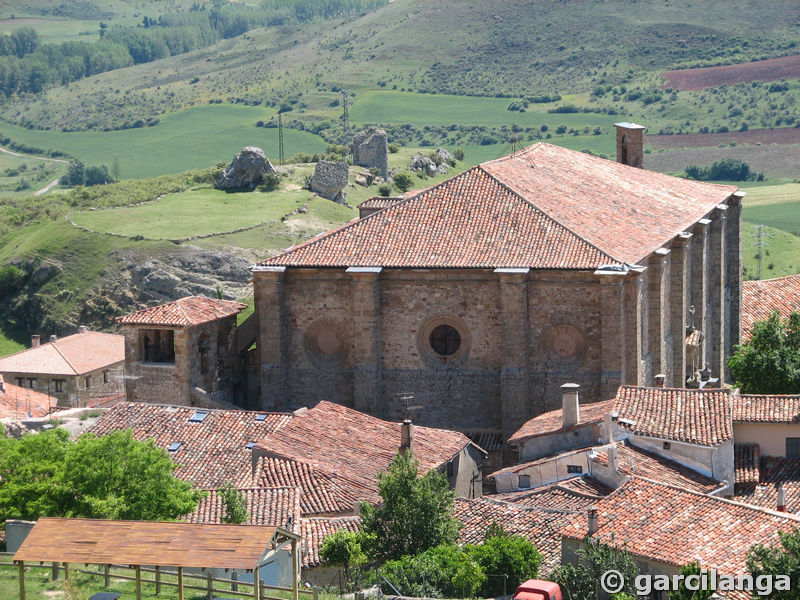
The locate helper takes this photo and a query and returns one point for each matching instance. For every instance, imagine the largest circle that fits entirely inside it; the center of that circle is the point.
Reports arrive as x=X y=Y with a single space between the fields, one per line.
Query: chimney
x=36 y=341
x=660 y=379
x=630 y=144
x=406 y=436
x=570 y=409
x=593 y=525
x=611 y=454
x=53 y=338
x=82 y=329
x=781 y=499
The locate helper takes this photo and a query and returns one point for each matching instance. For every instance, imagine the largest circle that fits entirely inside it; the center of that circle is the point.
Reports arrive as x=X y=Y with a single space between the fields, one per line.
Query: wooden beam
x=209 y=586
x=21 y=580
x=256 y=585
x=158 y=580
x=107 y=575
x=138 y=569
x=180 y=583
x=294 y=570
x=66 y=572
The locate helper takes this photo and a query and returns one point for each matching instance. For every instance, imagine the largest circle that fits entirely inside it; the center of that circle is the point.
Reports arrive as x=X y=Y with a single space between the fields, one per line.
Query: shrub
x=504 y=554
x=385 y=189
x=442 y=571
x=269 y=182
x=458 y=154
x=394 y=148
x=402 y=182
x=11 y=280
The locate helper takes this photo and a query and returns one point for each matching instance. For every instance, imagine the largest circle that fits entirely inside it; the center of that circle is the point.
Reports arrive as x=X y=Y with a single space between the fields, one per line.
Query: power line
x=760 y=238
x=346 y=119
x=280 y=140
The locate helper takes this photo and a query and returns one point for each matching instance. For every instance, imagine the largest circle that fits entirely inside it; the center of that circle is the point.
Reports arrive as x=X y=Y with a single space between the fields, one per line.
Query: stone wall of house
x=73 y=390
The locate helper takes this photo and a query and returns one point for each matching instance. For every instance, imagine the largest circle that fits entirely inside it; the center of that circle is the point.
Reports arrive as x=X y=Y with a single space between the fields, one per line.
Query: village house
x=73 y=369
x=19 y=403
x=761 y=298
x=480 y=296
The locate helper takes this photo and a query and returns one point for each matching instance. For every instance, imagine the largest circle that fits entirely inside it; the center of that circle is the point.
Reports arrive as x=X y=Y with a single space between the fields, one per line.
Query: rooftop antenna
x=760 y=237
x=280 y=139
x=408 y=399
x=516 y=147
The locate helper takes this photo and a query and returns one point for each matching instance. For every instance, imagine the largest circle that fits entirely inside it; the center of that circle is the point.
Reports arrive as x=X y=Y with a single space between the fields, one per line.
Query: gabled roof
x=773 y=472
x=75 y=354
x=279 y=507
x=16 y=402
x=354 y=446
x=760 y=298
x=746 y=464
x=700 y=417
x=552 y=421
x=766 y=409
x=546 y=207
x=212 y=452
x=576 y=493
x=192 y=310
x=316 y=529
x=673 y=526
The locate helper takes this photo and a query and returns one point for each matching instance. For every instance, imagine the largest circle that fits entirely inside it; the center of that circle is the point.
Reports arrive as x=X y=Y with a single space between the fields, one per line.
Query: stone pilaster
x=514 y=397
x=716 y=343
x=658 y=312
x=366 y=302
x=699 y=286
x=733 y=275
x=612 y=330
x=679 y=304
x=273 y=343
x=635 y=308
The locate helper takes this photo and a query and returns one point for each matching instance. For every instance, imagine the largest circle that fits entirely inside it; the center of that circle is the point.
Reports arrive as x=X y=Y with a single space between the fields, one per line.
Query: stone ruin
x=370 y=149
x=429 y=166
x=246 y=170
x=329 y=180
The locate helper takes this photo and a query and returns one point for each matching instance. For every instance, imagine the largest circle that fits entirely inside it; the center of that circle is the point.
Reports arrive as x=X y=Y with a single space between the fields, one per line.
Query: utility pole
x=760 y=237
x=280 y=140
x=346 y=120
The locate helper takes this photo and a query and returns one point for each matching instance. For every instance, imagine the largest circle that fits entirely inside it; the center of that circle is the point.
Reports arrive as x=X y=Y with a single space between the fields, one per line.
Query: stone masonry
x=329 y=180
x=370 y=149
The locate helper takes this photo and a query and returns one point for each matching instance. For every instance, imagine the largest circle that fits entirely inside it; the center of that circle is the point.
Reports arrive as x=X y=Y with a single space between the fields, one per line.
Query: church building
x=480 y=296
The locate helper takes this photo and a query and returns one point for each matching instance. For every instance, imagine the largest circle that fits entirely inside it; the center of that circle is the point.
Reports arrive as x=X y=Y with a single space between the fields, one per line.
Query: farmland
x=773 y=160
x=783 y=135
x=772 y=69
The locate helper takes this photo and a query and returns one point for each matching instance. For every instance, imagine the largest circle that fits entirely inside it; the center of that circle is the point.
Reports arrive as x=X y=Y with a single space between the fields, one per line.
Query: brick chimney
x=781 y=499
x=570 y=409
x=593 y=524
x=406 y=436
x=36 y=341
x=630 y=144
x=611 y=455
x=660 y=379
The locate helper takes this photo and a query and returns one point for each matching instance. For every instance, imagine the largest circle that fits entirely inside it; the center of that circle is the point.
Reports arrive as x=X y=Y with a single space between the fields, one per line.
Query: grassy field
x=191 y=138
x=781 y=254
x=53 y=29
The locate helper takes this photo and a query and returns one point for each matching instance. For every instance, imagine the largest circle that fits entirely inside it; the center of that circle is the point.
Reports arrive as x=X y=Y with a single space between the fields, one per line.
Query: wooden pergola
x=154 y=543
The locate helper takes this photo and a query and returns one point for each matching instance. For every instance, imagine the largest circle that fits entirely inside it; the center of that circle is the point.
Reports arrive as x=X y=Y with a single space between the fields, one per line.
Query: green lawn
x=771 y=194
x=187 y=139
x=781 y=254
x=196 y=212
x=785 y=216
x=55 y=29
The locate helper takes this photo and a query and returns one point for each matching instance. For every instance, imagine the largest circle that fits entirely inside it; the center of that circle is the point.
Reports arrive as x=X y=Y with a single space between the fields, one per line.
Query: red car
x=538 y=589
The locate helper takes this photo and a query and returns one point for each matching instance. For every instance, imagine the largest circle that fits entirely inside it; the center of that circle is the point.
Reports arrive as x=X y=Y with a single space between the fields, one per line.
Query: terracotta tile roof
x=470 y=221
x=624 y=211
x=694 y=337
x=694 y=416
x=211 y=453
x=16 y=402
x=588 y=486
x=674 y=526
x=379 y=202
x=106 y=401
x=192 y=310
x=576 y=493
x=540 y=526
x=354 y=446
x=760 y=298
x=539 y=461
x=323 y=492
x=279 y=507
x=773 y=471
x=316 y=529
x=486 y=440
x=746 y=459
x=551 y=422
x=75 y=354
x=766 y=409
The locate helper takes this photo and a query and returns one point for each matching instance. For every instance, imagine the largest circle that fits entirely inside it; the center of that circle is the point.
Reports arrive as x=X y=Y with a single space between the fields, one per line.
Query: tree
x=234 y=503
x=582 y=580
x=110 y=477
x=778 y=560
x=344 y=549
x=769 y=363
x=685 y=594
x=416 y=512
x=504 y=554
x=76 y=173
x=402 y=181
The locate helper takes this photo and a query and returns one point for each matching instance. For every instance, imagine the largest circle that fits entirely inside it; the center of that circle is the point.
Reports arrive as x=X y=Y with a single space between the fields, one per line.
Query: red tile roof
x=694 y=416
x=212 y=452
x=279 y=507
x=379 y=202
x=626 y=212
x=539 y=461
x=546 y=207
x=316 y=529
x=747 y=460
x=766 y=409
x=323 y=492
x=76 y=354
x=552 y=422
x=354 y=446
x=773 y=471
x=17 y=402
x=576 y=493
x=760 y=298
x=676 y=527
x=192 y=310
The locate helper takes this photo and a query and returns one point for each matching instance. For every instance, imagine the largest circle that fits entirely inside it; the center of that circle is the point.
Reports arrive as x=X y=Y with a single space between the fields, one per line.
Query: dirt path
x=50 y=185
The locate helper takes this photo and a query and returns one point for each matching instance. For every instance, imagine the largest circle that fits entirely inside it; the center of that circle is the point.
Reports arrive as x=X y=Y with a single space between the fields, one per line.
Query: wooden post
x=180 y=583
x=256 y=585
x=66 y=572
x=138 y=569
x=235 y=578
x=107 y=575
x=294 y=570
x=209 y=586
x=315 y=591
x=54 y=571
x=158 y=580
x=21 y=580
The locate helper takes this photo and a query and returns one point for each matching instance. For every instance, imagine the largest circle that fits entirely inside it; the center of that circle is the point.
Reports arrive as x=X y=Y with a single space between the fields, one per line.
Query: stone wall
x=74 y=391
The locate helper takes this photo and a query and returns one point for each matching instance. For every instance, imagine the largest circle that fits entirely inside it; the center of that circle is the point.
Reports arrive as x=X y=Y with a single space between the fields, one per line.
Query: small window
x=793 y=447
x=105 y=376
x=450 y=469
x=667 y=446
x=31 y=382
x=20 y=382
x=250 y=445
x=198 y=416
x=261 y=417
x=574 y=469
x=58 y=384
x=173 y=447
x=88 y=381
x=524 y=481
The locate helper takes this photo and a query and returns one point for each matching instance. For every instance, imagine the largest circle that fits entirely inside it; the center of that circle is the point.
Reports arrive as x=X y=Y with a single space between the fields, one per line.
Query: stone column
x=514 y=397
x=273 y=339
x=366 y=303
x=715 y=342
x=699 y=286
x=658 y=312
x=733 y=276
x=612 y=330
x=679 y=303
x=635 y=306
